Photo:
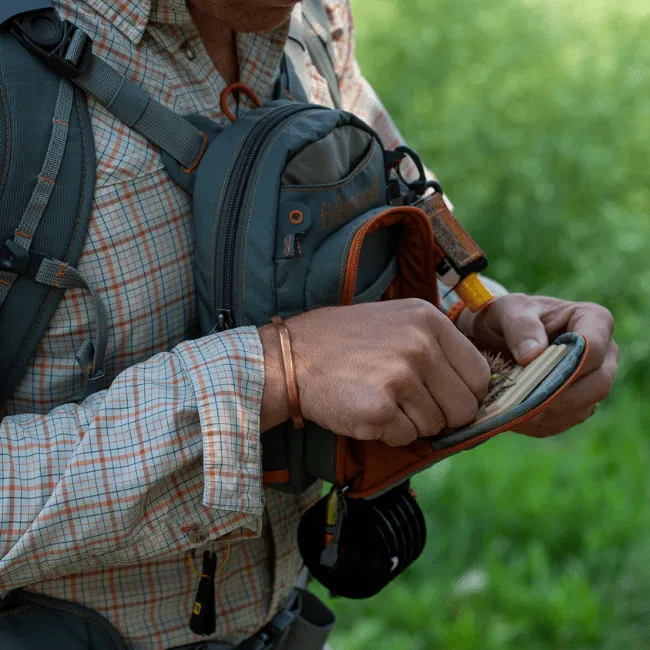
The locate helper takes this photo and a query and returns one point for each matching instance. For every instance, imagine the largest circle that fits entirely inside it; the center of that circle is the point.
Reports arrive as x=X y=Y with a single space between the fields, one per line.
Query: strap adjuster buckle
x=15 y=259
x=45 y=34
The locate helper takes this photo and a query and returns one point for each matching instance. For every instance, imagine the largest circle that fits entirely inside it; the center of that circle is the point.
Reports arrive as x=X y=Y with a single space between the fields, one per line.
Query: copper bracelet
x=293 y=395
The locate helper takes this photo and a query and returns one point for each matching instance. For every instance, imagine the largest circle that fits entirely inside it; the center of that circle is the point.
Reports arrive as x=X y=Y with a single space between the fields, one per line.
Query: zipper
x=251 y=149
x=354 y=254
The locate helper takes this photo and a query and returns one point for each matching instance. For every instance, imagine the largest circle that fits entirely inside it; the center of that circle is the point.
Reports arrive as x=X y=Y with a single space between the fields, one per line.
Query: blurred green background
x=535 y=115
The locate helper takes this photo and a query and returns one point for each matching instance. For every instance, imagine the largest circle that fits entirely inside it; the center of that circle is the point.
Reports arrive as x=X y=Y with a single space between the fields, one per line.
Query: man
x=101 y=501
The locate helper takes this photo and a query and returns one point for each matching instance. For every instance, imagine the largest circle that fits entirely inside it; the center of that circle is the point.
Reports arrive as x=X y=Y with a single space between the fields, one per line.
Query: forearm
x=172 y=446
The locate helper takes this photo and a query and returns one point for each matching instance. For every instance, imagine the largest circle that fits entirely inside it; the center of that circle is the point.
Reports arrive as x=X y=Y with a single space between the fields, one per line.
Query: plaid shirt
x=101 y=500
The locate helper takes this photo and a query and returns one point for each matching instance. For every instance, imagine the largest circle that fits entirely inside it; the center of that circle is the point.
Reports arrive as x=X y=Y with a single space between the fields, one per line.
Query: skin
x=524 y=324
x=408 y=371
x=218 y=22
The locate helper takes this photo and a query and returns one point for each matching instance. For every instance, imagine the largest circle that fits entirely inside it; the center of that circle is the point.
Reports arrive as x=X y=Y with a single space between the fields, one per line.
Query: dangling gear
x=355 y=547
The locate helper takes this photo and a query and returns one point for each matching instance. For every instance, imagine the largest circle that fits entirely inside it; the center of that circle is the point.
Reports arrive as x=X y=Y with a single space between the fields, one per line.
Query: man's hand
x=524 y=324
x=391 y=371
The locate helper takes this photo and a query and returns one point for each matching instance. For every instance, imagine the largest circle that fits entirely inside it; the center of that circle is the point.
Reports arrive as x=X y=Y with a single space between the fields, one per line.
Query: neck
x=219 y=41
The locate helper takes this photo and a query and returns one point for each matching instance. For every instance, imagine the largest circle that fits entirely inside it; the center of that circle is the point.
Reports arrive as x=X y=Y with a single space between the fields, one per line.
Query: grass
x=534 y=115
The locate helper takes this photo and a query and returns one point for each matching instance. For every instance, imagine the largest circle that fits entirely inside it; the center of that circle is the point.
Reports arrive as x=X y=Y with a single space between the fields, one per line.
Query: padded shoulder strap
x=47 y=173
x=310 y=33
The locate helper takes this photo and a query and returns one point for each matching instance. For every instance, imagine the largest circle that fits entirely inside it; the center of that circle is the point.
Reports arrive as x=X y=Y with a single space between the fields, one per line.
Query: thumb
x=524 y=334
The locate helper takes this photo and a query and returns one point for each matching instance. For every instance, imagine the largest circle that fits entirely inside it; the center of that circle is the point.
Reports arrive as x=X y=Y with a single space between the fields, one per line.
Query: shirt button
x=197 y=535
x=188 y=51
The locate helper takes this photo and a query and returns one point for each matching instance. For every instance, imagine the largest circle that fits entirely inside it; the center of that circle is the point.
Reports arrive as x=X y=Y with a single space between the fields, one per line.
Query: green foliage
x=535 y=117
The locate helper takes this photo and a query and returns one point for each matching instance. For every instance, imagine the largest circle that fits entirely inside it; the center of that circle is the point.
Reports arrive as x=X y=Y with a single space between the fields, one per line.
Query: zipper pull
x=204 y=611
x=336 y=511
x=224 y=320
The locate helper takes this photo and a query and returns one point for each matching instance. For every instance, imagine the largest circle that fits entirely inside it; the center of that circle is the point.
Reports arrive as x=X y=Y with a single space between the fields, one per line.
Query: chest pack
x=296 y=206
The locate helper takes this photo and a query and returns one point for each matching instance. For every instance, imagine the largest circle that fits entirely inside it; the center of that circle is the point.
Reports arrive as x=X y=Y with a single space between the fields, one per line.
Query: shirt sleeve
x=168 y=456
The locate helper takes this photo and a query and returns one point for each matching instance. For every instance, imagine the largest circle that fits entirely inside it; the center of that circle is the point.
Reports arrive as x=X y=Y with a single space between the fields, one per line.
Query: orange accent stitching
x=59 y=275
x=46 y=179
x=61 y=123
x=195 y=164
x=23 y=234
x=5 y=284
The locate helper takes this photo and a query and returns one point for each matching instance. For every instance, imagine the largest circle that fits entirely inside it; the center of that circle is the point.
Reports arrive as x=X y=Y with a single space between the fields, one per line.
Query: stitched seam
x=195 y=164
x=344 y=257
x=296 y=117
x=52 y=294
x=5 y=171
x=361 y=167
x=17 y=610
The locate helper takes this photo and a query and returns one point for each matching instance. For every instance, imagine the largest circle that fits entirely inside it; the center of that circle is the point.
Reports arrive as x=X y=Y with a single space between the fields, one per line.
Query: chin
x=247 y=15
x=262 y=21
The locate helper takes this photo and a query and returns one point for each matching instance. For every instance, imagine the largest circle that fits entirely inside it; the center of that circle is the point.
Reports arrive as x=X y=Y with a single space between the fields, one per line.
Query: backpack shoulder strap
x=47 y=173
x=310 y=34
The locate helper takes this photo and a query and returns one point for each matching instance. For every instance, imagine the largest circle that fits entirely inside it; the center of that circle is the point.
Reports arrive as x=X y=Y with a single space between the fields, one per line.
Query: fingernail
x=526 y=347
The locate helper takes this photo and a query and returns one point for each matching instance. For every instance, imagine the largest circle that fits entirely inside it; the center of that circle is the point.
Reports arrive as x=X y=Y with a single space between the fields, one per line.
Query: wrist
x=275 y=403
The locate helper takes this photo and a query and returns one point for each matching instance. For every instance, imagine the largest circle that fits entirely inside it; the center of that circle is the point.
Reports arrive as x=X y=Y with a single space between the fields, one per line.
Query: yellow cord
x=225 y=559
x=194 y=569
x=221 y=566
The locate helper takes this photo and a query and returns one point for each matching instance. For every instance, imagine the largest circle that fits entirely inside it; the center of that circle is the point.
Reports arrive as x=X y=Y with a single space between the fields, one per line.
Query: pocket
x=385 y=251
x=356 y=184
x=371 y=468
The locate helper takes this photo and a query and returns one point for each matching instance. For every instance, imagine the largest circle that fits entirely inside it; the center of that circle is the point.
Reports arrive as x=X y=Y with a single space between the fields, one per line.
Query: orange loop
x=237 y=87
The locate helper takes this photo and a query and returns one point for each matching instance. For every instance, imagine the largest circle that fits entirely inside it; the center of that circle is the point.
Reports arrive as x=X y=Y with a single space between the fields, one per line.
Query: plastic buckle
x=280 y=622
x=17 y=260
x=45 y=34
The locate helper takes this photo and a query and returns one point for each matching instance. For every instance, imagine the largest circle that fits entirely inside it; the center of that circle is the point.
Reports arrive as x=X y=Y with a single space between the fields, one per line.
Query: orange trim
x=291 y=97
x=444 y=453
x=195 y=164
x=5 y=284
x=296 y=217
x=59 y=275
x=23 y=234
x=46 y=179
x=277 y=476
x=455 y=311
x=61 y=122
x=417 y=220
x=237 y=87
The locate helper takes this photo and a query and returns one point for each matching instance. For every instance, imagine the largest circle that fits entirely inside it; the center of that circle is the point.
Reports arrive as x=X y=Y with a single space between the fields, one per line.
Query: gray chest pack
x=295 y=206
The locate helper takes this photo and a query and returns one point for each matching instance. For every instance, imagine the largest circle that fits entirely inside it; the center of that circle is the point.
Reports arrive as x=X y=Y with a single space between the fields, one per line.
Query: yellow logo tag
x=197 y=608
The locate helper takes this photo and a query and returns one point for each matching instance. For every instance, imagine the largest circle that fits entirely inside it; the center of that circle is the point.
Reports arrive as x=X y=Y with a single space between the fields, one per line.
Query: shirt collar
x=131 y=17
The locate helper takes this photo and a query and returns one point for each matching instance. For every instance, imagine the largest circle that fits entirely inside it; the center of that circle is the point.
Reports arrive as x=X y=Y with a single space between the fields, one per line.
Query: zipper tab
x=224 y=320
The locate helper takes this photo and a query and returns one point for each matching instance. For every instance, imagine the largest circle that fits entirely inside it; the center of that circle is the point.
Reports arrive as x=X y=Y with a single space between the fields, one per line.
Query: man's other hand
x=524 y=324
